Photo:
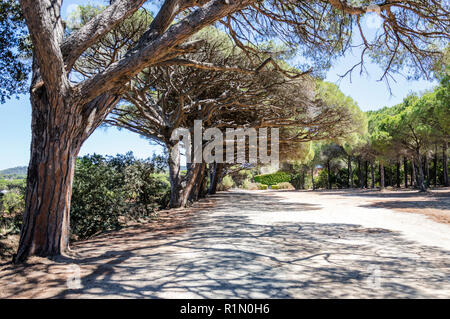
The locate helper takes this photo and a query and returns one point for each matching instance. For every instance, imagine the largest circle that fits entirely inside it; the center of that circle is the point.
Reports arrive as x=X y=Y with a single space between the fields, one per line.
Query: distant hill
x=18 y=172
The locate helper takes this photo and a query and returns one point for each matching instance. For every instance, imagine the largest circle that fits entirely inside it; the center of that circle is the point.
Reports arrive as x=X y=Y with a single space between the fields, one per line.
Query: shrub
x=274 y=187
x=226 y=183
x=261 y=186
x=108 y=190
x=273 y=179
x=249 y=185
x=285 y=185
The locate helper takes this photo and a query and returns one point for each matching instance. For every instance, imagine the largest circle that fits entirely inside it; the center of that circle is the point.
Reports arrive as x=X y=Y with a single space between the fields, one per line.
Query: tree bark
x=427 y=171
x=174 y=175
x=329 y=174
x=57 y=136
x=398 y=174
x=445 y=162
x=420 y=175
x=435 y=167
x=350 y=172
x=312 y=178
x=366 y=177
x=198 y=183
x=360 y=174
x=381 y=176
x=405 y=170
x=372 y=173
x=413 y=173
x=216 y=175
x=190 y=181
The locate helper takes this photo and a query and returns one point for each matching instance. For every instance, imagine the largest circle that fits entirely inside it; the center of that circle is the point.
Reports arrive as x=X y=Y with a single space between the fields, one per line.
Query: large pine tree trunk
x=405 y=170
x=381 y=176
x=56 y=141
x=191 y=179
x=427 y=171
x=398 y=174
x=445 y=162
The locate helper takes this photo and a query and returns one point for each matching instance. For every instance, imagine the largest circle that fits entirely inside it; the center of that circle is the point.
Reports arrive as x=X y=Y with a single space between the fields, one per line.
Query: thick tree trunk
x=216 y=175
x=405 y=170
x=445 y=162
x=57 y=136
x=381 y=176
x=350 y=172
x=372 y=175
x=398 y=174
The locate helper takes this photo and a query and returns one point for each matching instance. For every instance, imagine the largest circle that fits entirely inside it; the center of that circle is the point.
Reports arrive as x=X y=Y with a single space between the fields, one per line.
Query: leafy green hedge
x=273 y=179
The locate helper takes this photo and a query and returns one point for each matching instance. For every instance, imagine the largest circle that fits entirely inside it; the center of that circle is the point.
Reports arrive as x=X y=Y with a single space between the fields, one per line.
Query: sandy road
x=261 y=244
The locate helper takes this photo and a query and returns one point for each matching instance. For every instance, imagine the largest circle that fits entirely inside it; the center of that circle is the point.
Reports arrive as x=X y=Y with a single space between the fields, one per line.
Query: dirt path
x=254 y=245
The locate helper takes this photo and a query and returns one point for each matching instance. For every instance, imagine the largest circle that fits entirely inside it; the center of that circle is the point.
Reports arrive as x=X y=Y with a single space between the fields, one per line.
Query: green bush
x=107 y=190
x=248 y=185
x=262 y=186
x=273 y=179
x=284 y=185
x=226 y=183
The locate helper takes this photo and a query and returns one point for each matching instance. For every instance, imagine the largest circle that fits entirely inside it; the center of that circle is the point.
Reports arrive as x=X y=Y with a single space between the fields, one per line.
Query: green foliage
x=261 y=186
x=284 y=185
x=226 y=183
x=107 y=190
x=14 y=51
x=273 y=179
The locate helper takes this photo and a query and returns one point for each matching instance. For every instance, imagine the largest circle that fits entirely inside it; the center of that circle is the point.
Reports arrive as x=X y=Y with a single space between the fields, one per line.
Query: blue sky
x=15 y=115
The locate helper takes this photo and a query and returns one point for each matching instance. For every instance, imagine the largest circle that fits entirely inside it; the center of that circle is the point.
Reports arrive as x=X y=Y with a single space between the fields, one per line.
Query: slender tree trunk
x=405 y=170
x=202 y=192
x=427 y=171
x=445 y=162
x=174 y=176
x=350 y=172
x=420 y=175
x=312 y=178
x=398 y=174
x=391 y=175
x=381 y=176
x=216 y=175
x=360 y=181
x=366 y=177
x=191 y=178
x=303 y=179
x=372 y=175
x=329 y=174
x=435 y=167
x=413 y=173
x=194 y=195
